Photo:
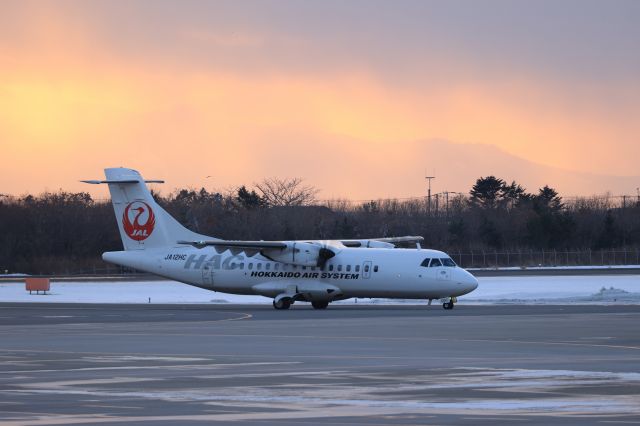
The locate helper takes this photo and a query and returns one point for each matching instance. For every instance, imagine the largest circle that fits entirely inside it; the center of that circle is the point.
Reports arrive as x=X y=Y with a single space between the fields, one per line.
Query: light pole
x=429 y=192
x=446 y=195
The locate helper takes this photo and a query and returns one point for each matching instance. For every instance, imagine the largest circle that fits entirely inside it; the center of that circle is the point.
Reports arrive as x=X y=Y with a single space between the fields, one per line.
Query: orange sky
x=80 y=90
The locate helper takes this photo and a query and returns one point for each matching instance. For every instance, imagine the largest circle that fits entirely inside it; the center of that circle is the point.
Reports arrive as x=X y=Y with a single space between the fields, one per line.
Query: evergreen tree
x=487 y=192
x=514 y=195
x=548 y=200
x=490 y=234
x=609 y=237
x=249 y=200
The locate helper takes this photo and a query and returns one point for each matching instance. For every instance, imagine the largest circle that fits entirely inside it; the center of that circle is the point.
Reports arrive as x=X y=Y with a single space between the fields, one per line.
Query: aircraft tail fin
x=143 y=224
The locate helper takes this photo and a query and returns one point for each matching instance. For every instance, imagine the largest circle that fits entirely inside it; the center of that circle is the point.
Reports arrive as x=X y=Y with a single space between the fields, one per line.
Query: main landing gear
x=319 y=305
x=449 y=305
x=283 y=303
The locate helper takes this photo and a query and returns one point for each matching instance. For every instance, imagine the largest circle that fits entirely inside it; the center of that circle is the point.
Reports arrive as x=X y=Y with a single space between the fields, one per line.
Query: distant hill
x=345 y=167
x=463 y=163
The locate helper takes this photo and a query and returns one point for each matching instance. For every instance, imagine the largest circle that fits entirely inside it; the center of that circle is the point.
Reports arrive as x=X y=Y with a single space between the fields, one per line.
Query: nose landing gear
x=449 y=304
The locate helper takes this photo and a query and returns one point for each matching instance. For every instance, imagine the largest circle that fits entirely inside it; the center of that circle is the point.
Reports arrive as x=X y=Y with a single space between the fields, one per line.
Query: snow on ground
x=551 y=268
x=602 y=289
x=121 y=292
x=557 y=289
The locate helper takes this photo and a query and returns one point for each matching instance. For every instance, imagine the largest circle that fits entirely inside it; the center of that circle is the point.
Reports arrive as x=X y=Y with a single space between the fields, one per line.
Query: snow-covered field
x=623 y=289
x=557 y=289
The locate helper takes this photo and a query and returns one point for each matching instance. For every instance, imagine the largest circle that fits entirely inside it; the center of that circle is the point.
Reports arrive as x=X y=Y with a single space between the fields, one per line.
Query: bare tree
x=286 y=192
x=66 y=232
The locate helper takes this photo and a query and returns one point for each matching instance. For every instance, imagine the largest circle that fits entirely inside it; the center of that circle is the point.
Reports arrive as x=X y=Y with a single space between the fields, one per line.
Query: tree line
x=66 y=232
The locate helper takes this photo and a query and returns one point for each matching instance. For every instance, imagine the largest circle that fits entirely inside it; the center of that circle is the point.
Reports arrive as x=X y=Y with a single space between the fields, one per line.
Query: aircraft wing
x=381 y=242
x=406 y=239
x=269 y=247
x=244 y=245
x=302 y=253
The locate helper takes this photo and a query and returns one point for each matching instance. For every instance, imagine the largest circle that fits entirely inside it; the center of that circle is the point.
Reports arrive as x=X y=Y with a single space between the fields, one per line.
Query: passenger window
x=242 y=265
x=304 y=268
x=425 y=262
x=259 y=266
x=276 y=266
x=448 y=262
x=339 y=268
x=366 y=268
x=375 y=268
x=348 y=268
x=331 y=267
x=250 y=266
x=434 y=263
x=267 y=266
x=357 y=268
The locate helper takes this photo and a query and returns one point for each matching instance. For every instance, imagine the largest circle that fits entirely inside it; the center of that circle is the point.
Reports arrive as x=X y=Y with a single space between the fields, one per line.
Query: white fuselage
x=352 y=272
x=316 y=271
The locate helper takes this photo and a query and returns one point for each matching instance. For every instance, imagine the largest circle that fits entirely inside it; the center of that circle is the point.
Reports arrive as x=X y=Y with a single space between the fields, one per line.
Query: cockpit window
x=425 y=262
x=448 y=262
x=435 y=263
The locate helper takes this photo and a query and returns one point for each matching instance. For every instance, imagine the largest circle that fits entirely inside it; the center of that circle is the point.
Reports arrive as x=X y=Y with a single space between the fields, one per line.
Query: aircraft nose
x=473 y=283
x=469 y=282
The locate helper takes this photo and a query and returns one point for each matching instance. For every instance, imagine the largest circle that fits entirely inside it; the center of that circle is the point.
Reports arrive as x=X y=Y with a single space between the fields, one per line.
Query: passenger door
x=207 y=274
x=366 y=269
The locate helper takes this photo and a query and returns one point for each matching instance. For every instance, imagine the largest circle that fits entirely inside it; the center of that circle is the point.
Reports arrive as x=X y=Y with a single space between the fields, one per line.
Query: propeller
x=323 y=255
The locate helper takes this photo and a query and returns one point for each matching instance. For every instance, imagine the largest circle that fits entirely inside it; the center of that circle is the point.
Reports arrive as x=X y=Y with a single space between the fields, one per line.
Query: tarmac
x=80 y=364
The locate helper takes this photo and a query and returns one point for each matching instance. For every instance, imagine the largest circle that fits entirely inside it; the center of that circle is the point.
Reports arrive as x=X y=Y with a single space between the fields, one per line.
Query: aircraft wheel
x=282 y=304
x=320 y=305
x=447 y=305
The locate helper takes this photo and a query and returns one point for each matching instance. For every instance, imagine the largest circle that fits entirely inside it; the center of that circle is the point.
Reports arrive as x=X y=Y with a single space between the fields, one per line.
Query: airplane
x=315 y=271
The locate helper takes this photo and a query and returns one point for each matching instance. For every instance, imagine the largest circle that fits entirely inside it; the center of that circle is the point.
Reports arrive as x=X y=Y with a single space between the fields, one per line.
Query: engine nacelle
x=300 y=253
x=368 y=244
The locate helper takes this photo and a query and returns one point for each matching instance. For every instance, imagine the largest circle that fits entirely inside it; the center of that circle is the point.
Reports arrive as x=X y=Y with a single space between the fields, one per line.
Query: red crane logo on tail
x=139 y=211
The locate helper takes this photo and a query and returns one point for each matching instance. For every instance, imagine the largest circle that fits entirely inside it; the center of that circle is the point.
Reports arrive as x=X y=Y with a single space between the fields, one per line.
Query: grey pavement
x=348 y=365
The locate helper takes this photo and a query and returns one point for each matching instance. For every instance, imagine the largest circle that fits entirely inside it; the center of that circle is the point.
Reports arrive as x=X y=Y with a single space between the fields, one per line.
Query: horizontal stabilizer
x=98 y=182
x=143 y=224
